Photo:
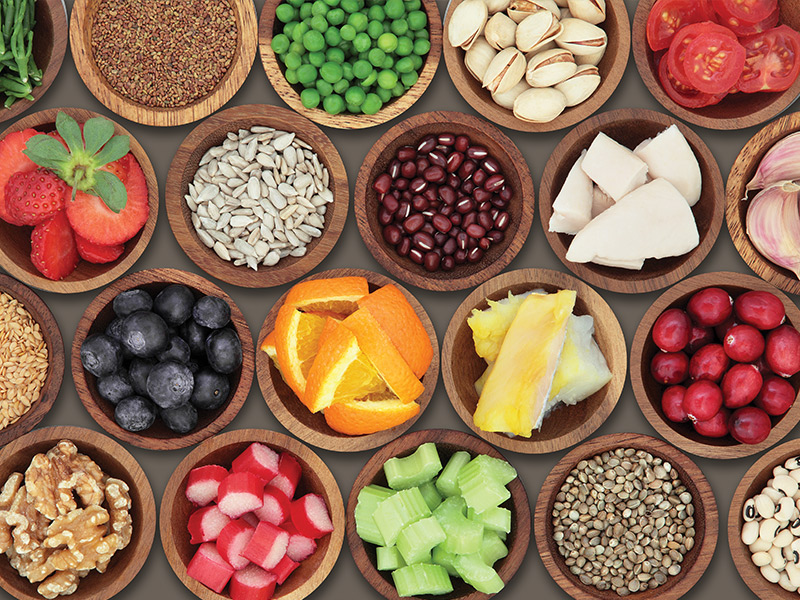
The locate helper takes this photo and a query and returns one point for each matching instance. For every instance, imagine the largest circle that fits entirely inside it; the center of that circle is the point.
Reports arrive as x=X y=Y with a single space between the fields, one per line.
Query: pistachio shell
x=506 y=99
x=592 y=59
x=500 y=31
x=565 y=14
x=536 y=30
x=591 y=11
x=466 y=23
x=581 y=85
x=496 y=6
x=562 y=3
x=550 y=67
x=519 y=9
x=581 y=38
x=539 y=105
x=547 y=46
x=505 y=71
x=478 y=57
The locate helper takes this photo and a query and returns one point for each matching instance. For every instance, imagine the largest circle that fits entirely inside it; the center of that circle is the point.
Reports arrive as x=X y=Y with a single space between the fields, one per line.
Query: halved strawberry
x=32 y=197
x=12 y=161
x=53 y=249
x=95 y=253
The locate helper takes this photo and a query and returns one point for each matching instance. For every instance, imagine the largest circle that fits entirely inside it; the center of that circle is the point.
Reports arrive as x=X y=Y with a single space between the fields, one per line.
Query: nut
x=506 y=99
x=564 y=14
x=550 y=67
x=537 y=30
x=466 y=23
x=499 y=31
x=505 y=71
x=539 y=105
x=119 y=506
x=581 y=85
x=495 y=6
x=591 y=11
x=478 y=58
x=581 y=38
x=591 y=59
x=519 y=9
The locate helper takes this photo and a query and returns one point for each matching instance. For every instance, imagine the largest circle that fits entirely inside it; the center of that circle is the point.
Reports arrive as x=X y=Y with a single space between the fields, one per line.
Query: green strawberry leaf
x=69 y=129
x=97 y=131
x=116 y=148
x=46 y=152
x=111 y=190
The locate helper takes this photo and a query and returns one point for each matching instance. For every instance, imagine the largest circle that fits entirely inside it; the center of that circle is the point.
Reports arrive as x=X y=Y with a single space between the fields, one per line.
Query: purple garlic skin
x=780 y=163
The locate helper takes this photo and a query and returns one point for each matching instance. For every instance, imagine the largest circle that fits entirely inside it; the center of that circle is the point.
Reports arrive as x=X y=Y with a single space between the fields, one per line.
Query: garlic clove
x=537 y=30
x=505 y=71
x=780 y=163
x=591 y=11
x=581 y=85
x=581 y=38
x=500 y=31
x=773 y=225
x=478 y=58
x=550 y=67
x=506 y=99
x=466 y=23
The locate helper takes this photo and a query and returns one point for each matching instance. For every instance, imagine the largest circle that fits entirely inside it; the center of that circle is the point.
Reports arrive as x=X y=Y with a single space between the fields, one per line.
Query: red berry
x=783 y=350
x=716 y=426
x=710 y=307
x=672 y=404
x=749 y=425
x=722 y=329
x=32 y=197
x=671 y=330
x=776 y=396
x=12 y=161
x=740 y=385
x=710 y=362
x=699 y=337
x=53 y=249
x=702 y=400
x=762 y=310
x=743 y=343
x=95 y=253
x=669 y=367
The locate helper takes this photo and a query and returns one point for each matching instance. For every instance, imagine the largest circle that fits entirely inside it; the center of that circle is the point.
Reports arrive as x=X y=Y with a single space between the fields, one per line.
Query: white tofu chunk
x=572 y=208
x=600 y=201
x=670 y=156
x=613 y=167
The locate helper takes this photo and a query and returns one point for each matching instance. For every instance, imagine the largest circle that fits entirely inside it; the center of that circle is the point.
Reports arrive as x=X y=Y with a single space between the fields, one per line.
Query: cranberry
x=699 y=337
x=740 y=385
x=783 y=350
x=762 y=310
x=716 y=426
x=776 y=396
x=722 y=329
x=672 y=404
x=762 y=366
x=709 y=363
x=710 y=307
x=749 y=425
x=744 y=343
x=669 y=368
x=671 y=330
x=702 y=400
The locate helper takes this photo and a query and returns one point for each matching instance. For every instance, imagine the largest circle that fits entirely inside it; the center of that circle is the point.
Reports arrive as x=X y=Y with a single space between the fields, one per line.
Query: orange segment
x=375 y=343
x=296 y=339
x=398 y=319
x=360 y=417
x=337 y=295
x=268 y=345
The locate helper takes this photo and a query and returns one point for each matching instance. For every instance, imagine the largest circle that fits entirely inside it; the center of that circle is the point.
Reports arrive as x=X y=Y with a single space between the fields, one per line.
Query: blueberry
x=181 y=419
x=174 y=304
x=130 y=301
x=177 y=350
x=144 y=334
x=195 y=335
x=115 y=387
x=135 y=413
x=170 y=384
x=193 y=366
x=211 y=389
x=138 y=370
x=101 y=355
x=212 y=312
x=114 y=330
x=224 y=350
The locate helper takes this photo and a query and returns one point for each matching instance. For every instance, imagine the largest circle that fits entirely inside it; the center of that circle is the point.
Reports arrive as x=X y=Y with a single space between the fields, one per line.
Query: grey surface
x=156 y=578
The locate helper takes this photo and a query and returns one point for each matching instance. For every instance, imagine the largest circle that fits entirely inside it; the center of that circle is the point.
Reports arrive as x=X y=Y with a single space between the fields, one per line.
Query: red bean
x=455 y=218
x=385 y=217
x=401 y=183
x=499 y=202
x=502 y=221
x=392 y=234
x=404 y=246
x=494 y=182
x=431 y=193
x=447 y=210
x=437 y=157
x=490 y=165
x=481 y=195
x=462 y=143
x=446 y=139
x=420 y=203
x=428 y=213
x=479 y=177
x=383 y=183
x=427 y=144
x=406 y=153
x=475 y=230
x=467 y=187
x=423 y=241
x=442 y=223
x=408 y=169
x=418 y=185
x=440 y=238
x=416 y=255
x=448 y=263
x=390 y=203
x=431 y=261
x=465 y=205
x=506 y=193
x=447 y=194
x=421 y=163
x=485 y=207
x=449 y=246
x=484 y=243
x=469 y=219
x=413 y=223
x=403 y=211
x=477 y=152
x=454 y=161
x=496 y=236
x=453 y=181
x=485 y=220
x=394 y=169
x=435 y=174
x=467 y=168
x=461 y=240
x=428 y=228
x=475 y=255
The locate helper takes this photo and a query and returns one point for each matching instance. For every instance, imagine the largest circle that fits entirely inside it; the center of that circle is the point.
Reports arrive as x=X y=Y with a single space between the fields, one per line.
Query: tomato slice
x=742 y=28
x=714 y=63
x=772 y=60
x=747 y=11
x=668 y=16
x=677 y=50
x=684 y=95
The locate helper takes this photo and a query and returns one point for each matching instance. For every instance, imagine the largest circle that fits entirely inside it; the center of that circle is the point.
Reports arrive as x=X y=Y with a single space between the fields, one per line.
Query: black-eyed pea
x=779 y=470
x=749 y=510
x=786 y=485
x=785 y=510
x=792 y=463
x=786 y=583
x=770 y=574
x=777 y=561
x=788 y=553
x=783 y=539
x=761 y=559
x=772 y=493
x=795 y=474
x=760 y=545
x=768 y=529
x=750 y=532
x=765 y=506
x=793 y=571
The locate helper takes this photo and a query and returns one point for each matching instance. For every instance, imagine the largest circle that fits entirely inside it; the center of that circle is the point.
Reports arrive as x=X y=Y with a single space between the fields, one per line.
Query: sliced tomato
x=714 y=63
x=668 y=16
x=746 y=11
x=742 y=29
x=772 y=60
x=677 y=51
x=682 y=94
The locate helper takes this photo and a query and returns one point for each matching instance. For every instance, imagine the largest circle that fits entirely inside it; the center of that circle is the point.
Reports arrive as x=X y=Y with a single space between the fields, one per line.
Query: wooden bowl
x=397 y=106
x=158 y=437
x=448 y=442
x=736 y=111
x=568 y=425
x=706 y=517
x=222 y=449
x=15 y=249
x=741 y=173
x=114 y=460
x=410 y=131
x=80 y=32
x=312 y=428
x=648 y=391
x=55 y=355
x=212 y=132
x=49 y=47
x=751 y=484
x=629 y=126
x=611 y=67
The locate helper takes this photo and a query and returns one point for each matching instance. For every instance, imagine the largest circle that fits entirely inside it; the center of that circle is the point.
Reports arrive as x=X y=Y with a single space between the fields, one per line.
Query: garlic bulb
x=773 y=225
x=780 y=163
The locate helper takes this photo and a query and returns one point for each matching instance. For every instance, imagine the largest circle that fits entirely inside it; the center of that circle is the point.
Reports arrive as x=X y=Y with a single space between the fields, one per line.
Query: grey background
x=156 y=578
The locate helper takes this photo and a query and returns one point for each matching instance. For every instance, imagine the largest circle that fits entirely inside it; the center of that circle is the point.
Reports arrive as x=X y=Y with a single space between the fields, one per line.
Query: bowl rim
x=226 y=87
x=666 y=300
x=406 y=444
x=141 y=439
x=395 y=108
x=637 y=282
x=449 y=281
x=324 y=440
x=536 y=277
x=285 y=444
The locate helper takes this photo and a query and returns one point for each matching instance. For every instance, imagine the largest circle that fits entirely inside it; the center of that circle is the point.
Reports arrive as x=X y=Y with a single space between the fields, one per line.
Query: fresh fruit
x=338 y=295
x=300 y=547
x=772 y=60
x=699 y=337
x=211 y=312
x=489 y=326
x=667 y=17
x=101 y=355
x=115 y=387
x=710 y=306
x=672 y=404
x=672 y=330
x=710 y=362
x=670 y=368
x=683 y=94
x=776 y=396
x=206 y=523
x=97 y=254
x=144 y=334
x=749 y=425
x=275 y=506
x=53 y=249
x=224 y=350
x=297 y=337
x=170 y=384
x=13 y=161
x=180 y=419
x=744 y=343
x=740 y=385
x=702 y=400
x=362 y=417
x=32 y=197
x=174 y=304
x=783 y=350
x=714 y=62
x=267 y=546
x=258 y=459
x=716 y=426
x=309 y=514
x=135 y=413
x=288 y=477
x=252 y=583
x=232 y=541
x=760 y=309
x=131 y=301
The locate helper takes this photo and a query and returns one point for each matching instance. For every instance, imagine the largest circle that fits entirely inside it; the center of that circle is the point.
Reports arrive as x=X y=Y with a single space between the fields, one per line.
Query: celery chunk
x=389 y=558
x=431 y=494
x=416 y=541
x=492 y=548
x=440 y=556
x=497 y=519
x=480 y=485
x=414 y=469
x=368 y=499
x=463 y=536
x=447 y=482
x=478 y=574
x=397 y=511
x=421 y=579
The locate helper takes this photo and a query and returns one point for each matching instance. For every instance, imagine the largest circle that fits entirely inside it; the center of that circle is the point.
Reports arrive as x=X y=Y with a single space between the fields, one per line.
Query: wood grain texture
x=738 y=201
x=648 y=391
x=312 y=428
x=447 y=443
x=221 y=450
x=611 y=67
x=212 y=132
x=751 y=484
x=630 y=126
x=49 y=48
x=706 y=518
x=736 y=111
x=396 y=107
x=409 y=132
x=158 y=437
x=15 y=248
x=55 y=355
x=567 y=425
x=115 y=461
x=81 y=21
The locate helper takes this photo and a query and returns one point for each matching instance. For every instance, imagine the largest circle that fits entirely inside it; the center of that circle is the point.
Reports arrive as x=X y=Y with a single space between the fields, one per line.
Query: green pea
x=359 y=21
x=422 y=34
x=405 y=46
x=394 y=9
x=331 y=72
x=333 y=104
x=353 y=109
x=370 y=79
x=376 y=13
x=310 y=98
x=347 y=48
x=388 y=62
x=280 y=44
x=384 y=94
x=316 y=58
x=387 y=79
x=417 y=61
x=335 y=16
x=399 y=27
x=355 y=96
x=376 y=56
x=291 y=76
x=362 y=68
x=285 y=13
x=404 y=65
x=293 y=61
x=297 y=48
x=289 y=28
x=340 y=87
x=422 y=47
x=314 y=41
x=362 y=43
x=350 y=6
x=319 y=23
x=409 y=79
x=332 y=3
x=412 y=5
x=307 y=74
x=332 y=36
x=318 y=7
x=375 y=29
x=334 y=55
x=417 y=19
x=296 y=3
x=398 y=90
x=347 y=71
x=299 y=31
x=305 y=11
x=387 y=42
x=348 y=32
x=323 y=87
x=372 y=104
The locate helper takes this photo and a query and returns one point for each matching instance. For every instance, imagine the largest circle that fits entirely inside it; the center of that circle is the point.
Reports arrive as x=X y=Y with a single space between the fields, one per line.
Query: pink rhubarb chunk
x=258 y=459
x=310 y=516
x=275 y=507
x=240 y=493
x=206 y=523
x=209 y=568
x=232 y=541
x=253 y=583
x=203 y=484
x=267 y=546
x=289 y=472
x=300 y=547
x=284 y=568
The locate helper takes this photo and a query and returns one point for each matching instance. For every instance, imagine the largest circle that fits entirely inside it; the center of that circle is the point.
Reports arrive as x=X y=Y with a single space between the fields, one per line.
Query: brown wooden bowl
x=736 y=111
x=15 y=249
x=397 y=106
x=158 y=437
x=461 y=366
x=706 y=517
x=410 y=131
x=55 y=355
x=612 y=67
x=751 y=484
x=629 y=126
x=222 y=449
x=312 y=428
x=448 y=442
x=648 y=391
x=80 y=34
x=114 y=460
x=743 y=170
x=49 y=47
x=212 y=132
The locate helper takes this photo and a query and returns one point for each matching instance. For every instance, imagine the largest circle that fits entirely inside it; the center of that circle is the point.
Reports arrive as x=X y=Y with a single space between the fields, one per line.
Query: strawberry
x=12 y=160
x=34 y=196
x=95 y=253
x=53 y=249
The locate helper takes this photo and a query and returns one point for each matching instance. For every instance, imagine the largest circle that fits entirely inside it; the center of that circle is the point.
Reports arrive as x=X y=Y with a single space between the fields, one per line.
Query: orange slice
x=398 y=319
x=268 y=345
x=375 y=343
x=296 y=337
x=360 y=417
x=337 y=295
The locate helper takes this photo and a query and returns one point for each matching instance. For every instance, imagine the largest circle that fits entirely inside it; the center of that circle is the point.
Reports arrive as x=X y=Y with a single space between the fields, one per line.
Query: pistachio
x=478 y=57
x=591 y=11
x=581 y=38
x=581 y=85
x=495 y=6
x=550 y=67
x=466 y=23
x=539 y=105
x=505 y=71
x=546 y=46
x=500 y=31
x=562 y=3
x=519 y=9
x=565 y=14
x=536 y=30
x=506 y=99
x=592 y=59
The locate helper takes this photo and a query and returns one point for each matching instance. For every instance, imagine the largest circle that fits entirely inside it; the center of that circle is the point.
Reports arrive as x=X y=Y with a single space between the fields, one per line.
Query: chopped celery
x=492 y=548
x=431 y=494
x=442 y=557
x=397 y=511
x=421 y=579
x=480 y=487
x=478 y=574
x=368 y=499
x=389 y=558
x=497 y=519
x=500 y=469
x=414 y=469
x=446 y=483
x=416 y=541
x=463 y=536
